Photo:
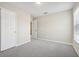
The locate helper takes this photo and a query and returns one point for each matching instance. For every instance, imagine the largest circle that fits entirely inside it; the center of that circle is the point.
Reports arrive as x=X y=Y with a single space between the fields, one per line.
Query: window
x=76 y=25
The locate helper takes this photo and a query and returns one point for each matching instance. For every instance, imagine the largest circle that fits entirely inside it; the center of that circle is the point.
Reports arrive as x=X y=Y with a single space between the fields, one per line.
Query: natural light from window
x=76 y=25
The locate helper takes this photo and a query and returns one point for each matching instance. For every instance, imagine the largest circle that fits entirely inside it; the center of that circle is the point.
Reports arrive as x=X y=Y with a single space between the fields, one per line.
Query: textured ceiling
x=39 y=10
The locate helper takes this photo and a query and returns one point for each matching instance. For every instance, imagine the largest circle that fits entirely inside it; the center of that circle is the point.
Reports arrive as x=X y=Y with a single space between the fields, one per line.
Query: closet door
x=13 y=29
x=3 y=29
x=10 y=29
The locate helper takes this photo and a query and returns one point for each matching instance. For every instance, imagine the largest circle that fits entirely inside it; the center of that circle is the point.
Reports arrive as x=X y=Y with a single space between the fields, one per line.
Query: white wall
x=23 y=28
x=22 y=24
x=56 y=27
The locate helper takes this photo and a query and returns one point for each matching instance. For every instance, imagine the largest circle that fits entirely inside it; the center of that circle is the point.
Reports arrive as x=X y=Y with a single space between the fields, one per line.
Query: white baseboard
x=55 y=41
x=76 y=50
x=16 y=45
x=23 y=43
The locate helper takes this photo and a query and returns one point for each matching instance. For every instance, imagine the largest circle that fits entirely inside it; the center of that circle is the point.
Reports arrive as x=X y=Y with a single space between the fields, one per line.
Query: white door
x=34 y=29
x=3 y=29
x=8 y=28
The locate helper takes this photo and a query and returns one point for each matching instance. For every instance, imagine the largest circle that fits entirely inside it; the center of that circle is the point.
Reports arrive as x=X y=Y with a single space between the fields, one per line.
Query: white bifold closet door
x=8 y=29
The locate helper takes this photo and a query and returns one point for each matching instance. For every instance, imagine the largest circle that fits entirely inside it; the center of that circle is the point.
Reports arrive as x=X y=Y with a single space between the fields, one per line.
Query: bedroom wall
x=56 y=27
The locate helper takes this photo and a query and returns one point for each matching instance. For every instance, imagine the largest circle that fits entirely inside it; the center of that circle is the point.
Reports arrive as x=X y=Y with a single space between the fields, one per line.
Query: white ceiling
x=38 y=10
